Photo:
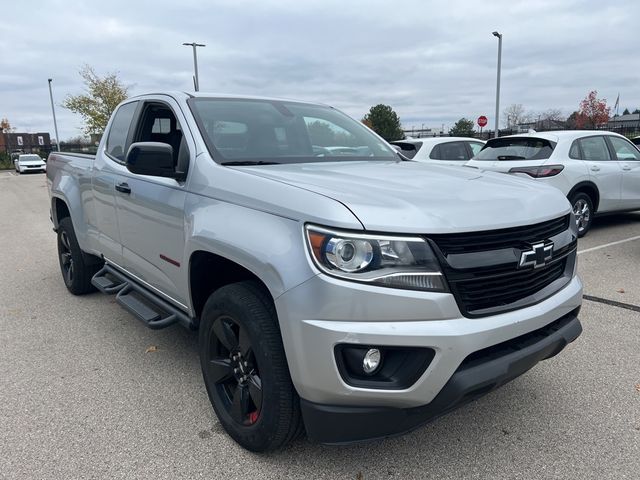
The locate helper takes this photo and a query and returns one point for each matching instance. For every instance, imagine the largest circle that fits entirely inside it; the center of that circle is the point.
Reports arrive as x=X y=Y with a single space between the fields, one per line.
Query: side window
x=624 y=150
x=435 y=153
x=475 y=147
x=594 y=149
x=574 y=151
x=119 y=131
x=451 y=151
x=161 y=125
x=158 y=123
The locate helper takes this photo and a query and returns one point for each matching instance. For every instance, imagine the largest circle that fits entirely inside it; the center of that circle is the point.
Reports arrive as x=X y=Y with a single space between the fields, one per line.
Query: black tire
x=256 y=404
x=76 y=272
x=582 y=207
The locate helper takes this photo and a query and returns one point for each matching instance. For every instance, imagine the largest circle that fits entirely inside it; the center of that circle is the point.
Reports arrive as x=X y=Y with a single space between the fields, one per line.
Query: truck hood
x=416 y=197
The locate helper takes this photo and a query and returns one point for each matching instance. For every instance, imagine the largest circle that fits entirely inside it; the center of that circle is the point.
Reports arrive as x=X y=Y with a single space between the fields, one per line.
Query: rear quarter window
x=408 y=149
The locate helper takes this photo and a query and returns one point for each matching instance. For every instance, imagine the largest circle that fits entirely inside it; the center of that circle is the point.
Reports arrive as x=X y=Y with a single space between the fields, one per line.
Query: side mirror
x=151 y=158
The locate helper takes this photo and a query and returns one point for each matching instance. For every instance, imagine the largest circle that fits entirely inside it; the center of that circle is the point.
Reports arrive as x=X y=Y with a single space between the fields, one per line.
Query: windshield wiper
x=249 y=162
x=510 y=157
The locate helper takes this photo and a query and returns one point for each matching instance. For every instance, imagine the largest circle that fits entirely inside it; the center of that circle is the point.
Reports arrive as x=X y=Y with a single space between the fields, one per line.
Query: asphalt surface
x=80 y=398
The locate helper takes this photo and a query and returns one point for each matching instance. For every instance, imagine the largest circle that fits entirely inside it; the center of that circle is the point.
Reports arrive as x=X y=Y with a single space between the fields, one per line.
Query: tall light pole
x=53 y=110
x=499 y=35
x=196 y=81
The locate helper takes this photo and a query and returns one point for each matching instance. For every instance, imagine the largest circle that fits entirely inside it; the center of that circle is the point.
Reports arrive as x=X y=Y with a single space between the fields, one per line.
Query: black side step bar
x=145 y=305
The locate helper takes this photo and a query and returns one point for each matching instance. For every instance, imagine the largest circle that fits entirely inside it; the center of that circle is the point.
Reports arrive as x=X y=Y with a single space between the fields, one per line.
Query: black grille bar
x=497 y=239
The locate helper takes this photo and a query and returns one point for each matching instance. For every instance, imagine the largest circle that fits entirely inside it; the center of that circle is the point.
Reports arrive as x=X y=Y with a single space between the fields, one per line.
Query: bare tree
x=554 y=114
x=515 y=114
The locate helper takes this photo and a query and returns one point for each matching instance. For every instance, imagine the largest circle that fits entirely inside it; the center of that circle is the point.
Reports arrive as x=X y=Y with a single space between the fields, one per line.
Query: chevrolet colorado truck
x=337 y=287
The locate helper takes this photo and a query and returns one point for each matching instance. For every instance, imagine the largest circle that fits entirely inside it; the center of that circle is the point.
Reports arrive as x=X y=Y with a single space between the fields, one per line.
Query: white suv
x=445 y=150
x=598 y=171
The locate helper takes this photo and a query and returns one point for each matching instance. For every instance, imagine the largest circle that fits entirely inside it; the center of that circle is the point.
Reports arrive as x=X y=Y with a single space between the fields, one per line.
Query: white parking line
x=631 y=239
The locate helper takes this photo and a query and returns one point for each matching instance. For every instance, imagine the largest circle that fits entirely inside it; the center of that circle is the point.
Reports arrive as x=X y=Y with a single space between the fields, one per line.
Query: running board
x=145 y=305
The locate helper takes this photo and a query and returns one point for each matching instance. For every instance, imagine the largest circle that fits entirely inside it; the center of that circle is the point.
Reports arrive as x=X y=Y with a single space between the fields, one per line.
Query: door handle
x=123 y=187
x=626 y=168
x=595 y=168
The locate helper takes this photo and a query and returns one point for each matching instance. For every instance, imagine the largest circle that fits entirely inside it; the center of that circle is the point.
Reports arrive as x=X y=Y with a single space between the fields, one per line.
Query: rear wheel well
x=208 y=272
x=61 y=210
x=587 y=188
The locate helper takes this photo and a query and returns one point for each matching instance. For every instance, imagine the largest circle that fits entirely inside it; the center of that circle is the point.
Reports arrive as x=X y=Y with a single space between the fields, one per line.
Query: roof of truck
x=183 y=95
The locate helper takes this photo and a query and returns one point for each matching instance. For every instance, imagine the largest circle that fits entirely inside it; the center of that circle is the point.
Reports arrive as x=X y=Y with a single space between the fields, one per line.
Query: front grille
x=502 y=290
x=497 y=239
x=487 y=279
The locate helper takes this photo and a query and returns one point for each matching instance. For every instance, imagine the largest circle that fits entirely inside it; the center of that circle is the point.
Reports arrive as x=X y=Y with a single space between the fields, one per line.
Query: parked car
x=444 y=150
x=349 y=296
x=29 y=163
x=598 y=171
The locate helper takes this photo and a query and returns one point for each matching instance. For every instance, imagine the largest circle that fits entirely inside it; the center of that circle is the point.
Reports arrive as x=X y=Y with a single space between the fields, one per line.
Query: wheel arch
x=59 y=210
x=588 y=188
x=209 y=271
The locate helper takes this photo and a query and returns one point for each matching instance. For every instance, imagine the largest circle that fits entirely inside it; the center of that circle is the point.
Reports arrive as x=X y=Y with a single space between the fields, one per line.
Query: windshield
x=29 y=158
x=262 y=132
x=513 y=148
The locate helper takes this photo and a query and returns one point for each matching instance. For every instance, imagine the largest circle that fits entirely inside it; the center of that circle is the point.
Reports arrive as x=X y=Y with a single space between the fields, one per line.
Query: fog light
x=371 y=361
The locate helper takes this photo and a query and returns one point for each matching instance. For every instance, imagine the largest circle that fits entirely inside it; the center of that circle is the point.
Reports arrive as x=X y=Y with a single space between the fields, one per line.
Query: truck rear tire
x=76 y=273
x=245 y=369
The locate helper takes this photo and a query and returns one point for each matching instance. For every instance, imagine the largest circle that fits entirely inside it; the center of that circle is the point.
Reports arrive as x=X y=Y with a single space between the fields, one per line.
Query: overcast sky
x=433 y=62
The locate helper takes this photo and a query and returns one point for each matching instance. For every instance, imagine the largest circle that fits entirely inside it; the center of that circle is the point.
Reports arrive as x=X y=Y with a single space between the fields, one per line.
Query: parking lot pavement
x=80 y=398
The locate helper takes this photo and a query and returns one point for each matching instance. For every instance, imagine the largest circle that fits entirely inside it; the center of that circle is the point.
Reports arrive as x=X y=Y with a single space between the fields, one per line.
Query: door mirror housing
x=151 y=158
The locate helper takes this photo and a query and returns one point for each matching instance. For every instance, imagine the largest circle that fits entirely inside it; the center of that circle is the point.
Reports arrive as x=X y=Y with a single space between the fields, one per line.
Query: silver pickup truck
x=337 y=288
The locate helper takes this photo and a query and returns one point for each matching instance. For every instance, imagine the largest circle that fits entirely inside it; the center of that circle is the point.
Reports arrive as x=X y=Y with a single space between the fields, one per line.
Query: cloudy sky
x=433 y=62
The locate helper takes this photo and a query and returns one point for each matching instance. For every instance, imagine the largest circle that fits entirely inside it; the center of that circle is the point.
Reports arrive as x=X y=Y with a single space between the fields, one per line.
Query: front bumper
x=477 y=375
x=324 y=312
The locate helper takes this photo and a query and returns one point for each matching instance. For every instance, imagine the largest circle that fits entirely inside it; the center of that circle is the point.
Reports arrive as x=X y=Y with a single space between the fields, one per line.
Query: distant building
x=542 y=125
x=25 y=142
x=629 y=122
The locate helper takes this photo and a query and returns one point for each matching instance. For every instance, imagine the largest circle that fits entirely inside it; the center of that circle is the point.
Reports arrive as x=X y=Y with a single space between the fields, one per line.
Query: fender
x=65 y=186
x=269 y=246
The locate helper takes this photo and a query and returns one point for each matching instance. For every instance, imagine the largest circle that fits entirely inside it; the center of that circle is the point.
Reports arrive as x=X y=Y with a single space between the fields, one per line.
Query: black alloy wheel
x=77 y=268
x=245 y=368
x=232 y=369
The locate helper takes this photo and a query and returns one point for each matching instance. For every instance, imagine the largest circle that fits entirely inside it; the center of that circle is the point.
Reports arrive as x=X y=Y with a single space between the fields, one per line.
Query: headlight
x=390 y=261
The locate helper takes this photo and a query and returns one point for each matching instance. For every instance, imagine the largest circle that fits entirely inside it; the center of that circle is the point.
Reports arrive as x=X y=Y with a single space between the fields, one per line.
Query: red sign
x=482 y=121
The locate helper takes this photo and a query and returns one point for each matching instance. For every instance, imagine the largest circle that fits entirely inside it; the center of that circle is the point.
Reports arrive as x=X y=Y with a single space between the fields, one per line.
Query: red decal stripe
x=170 y=260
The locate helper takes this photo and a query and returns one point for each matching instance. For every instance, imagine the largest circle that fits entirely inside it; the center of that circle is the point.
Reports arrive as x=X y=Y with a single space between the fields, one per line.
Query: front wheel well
x=587 y=188
x=208 y=272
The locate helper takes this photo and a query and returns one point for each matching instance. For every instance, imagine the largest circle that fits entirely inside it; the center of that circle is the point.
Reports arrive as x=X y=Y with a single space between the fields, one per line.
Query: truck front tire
x=245 y=369
x=76 y=273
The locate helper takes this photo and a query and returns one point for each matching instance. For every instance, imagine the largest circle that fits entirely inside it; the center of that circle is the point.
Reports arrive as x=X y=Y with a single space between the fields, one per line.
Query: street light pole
x=499 y=36
x=196 y=81
x=53 y=110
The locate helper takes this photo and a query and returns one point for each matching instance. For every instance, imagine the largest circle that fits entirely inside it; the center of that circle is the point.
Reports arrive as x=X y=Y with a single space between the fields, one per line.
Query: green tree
x=102 y=96
x=626 y=111
x=637 y=110
x=385 y=122
x=462 y=128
